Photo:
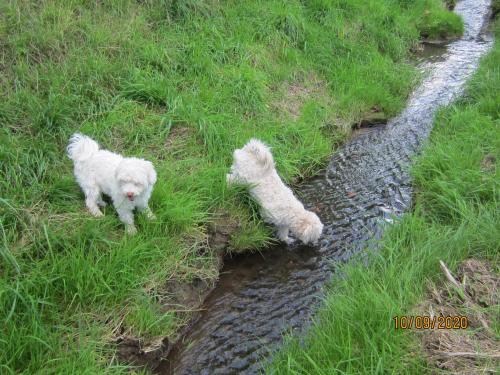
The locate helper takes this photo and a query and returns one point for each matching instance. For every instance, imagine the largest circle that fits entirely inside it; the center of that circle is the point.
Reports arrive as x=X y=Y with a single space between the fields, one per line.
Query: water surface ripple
x=260 y=297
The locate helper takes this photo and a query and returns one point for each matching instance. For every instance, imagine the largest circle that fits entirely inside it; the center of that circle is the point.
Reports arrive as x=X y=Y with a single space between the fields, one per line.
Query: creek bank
x=149 y=352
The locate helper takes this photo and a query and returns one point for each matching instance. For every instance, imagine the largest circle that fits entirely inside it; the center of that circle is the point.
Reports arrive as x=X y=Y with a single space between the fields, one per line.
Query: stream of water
x=260 y=297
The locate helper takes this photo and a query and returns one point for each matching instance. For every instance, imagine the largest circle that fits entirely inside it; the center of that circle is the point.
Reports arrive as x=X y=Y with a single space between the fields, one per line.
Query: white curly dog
x=254 y=165
x=128 y=181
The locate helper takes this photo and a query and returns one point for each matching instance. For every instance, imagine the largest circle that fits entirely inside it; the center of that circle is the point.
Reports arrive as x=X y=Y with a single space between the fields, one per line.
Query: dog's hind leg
x=92 y=197
x=283 y=234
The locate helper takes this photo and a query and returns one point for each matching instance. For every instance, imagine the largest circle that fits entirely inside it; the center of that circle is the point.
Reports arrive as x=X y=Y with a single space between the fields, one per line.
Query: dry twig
x=467 y=299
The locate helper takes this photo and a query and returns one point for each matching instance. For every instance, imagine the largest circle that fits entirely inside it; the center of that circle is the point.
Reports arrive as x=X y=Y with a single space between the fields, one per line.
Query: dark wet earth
x=260 y=297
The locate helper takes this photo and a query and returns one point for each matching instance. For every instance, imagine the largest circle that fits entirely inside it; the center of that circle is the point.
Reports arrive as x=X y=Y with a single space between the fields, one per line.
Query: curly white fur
x=254 y=165
x=128 y=181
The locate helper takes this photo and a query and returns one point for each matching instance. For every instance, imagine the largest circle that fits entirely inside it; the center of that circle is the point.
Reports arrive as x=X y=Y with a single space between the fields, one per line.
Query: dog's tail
x=260 y=152
x=81 y=147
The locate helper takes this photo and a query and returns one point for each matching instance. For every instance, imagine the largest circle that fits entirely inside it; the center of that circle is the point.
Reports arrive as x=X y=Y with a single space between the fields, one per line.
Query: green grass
x=181 y=83
x=437 y=23
x=456 y=216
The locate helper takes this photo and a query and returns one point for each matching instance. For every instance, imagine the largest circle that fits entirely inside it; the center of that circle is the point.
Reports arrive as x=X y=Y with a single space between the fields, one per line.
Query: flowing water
x=262 y=296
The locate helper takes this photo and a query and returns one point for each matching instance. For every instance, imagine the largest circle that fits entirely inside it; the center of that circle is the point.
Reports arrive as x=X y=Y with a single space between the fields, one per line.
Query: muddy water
x=261 y=297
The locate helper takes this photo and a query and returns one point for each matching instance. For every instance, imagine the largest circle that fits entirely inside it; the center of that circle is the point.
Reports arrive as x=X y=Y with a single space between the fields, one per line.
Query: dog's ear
x=261 y=153
x=151 y=173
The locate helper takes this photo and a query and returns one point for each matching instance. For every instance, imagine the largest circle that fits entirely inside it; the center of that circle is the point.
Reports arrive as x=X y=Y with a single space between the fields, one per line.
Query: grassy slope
x=456 y=216
x=182 y=84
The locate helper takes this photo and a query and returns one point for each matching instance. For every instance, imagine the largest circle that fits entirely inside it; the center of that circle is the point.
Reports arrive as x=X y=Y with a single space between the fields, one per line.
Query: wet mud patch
x=142 y=353
x=374 y=117
x=185 y=299
x=426 y=53
x=221 y=230
x=472 y=292
x=373 y=120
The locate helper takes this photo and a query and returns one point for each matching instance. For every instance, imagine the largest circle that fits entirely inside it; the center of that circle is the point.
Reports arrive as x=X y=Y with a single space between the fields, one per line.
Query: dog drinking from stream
x=254 y=165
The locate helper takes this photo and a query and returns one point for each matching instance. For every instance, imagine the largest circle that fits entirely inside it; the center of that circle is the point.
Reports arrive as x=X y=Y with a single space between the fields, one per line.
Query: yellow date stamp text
x=430 y=322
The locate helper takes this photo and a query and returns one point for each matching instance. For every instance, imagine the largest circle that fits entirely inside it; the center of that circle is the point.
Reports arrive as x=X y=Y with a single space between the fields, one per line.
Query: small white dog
x=254 y=165
x=128 y=181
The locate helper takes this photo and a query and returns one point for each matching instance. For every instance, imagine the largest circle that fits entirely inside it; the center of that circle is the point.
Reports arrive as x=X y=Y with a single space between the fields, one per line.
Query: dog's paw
x=102 y=204
x=151 y=216
x=97 y=213
x=130 y=230
x=288 y=240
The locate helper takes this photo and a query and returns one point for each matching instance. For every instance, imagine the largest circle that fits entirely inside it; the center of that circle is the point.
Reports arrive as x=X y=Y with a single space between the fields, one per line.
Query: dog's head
x=309 y=228
x=135 y=176
x=251 y=163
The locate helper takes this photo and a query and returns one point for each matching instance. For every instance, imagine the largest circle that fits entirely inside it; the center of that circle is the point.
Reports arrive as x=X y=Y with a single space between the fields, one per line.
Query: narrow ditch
x=260 y=297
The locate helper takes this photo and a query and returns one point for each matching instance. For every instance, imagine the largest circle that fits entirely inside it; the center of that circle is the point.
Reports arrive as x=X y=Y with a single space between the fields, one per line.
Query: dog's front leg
x=127 y=217
x=283 y=234
x=91 y=200
x=93 y=207
x=149 y=214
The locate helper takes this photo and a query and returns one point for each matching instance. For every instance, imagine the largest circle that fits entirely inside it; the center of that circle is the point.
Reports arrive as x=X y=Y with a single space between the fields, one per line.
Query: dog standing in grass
x=254 y=165
x=128 y=181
